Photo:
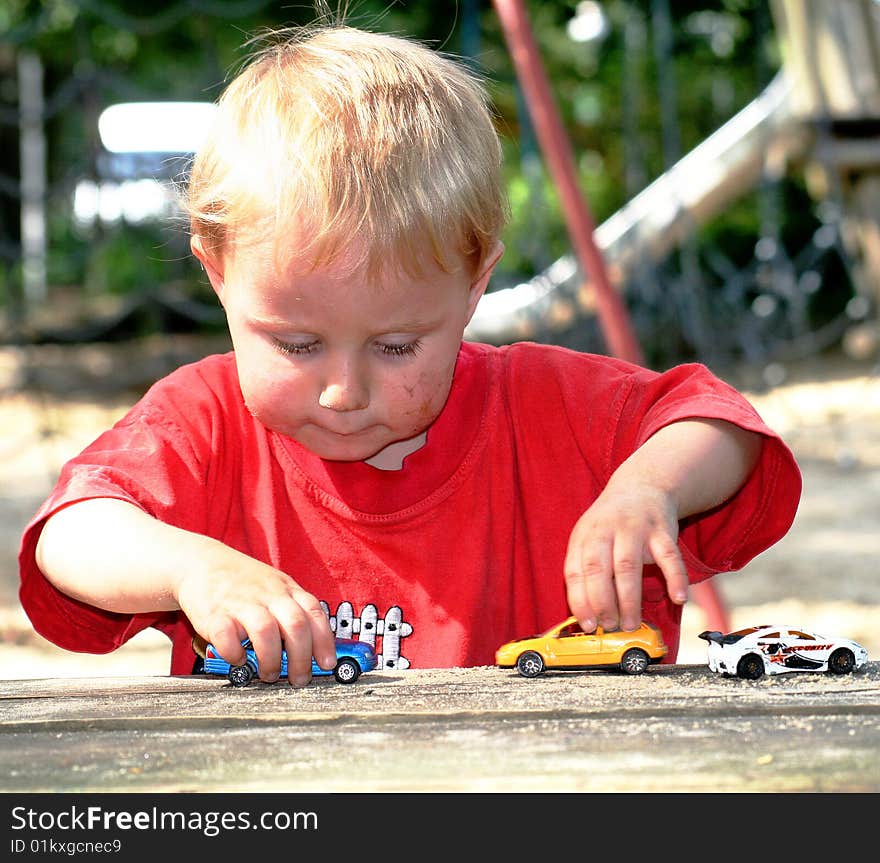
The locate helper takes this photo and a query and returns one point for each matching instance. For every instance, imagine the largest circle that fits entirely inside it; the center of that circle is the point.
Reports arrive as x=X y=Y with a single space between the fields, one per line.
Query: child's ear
x=210 y=264
x=481 y=282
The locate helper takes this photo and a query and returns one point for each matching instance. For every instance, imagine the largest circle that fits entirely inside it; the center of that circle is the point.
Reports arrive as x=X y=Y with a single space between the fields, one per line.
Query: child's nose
x=344 y=390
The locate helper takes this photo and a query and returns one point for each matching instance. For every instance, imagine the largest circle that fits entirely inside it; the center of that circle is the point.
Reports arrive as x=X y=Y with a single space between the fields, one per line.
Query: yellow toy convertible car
x=567 y=646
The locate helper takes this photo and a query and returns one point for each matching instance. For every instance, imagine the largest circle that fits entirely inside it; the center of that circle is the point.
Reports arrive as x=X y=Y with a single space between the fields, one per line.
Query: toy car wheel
x=750 y=667
x=634 y=661
x=841 y=661
x=530 y=664
x=347 y=670
x=241 y=675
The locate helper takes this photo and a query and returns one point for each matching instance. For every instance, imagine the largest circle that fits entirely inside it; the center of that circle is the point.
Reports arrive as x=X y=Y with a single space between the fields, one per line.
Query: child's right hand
x=239 y=597
x=113 y=555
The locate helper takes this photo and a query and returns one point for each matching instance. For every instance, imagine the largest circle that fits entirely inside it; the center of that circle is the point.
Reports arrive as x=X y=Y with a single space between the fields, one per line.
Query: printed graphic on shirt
x=392 y=629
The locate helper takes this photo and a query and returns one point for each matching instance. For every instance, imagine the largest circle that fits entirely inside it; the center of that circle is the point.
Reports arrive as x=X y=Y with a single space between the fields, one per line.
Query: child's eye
x=393 y=350
x=296 y=348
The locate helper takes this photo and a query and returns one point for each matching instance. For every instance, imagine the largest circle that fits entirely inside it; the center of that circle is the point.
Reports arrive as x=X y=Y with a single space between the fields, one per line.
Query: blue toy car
x=352 y=659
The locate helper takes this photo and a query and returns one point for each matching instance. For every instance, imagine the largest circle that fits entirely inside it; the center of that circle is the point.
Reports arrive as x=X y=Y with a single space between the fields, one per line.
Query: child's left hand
x=628 y=526
x=685 y=468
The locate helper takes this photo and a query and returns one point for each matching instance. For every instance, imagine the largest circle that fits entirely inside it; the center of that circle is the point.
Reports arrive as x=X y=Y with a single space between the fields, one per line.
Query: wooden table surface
x=674 y=728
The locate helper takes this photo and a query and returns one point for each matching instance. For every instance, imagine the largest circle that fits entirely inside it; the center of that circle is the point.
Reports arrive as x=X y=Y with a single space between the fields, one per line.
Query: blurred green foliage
x=630 y=103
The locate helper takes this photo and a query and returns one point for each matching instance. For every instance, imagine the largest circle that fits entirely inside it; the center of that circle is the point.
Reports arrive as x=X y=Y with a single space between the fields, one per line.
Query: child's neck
x=391 y=458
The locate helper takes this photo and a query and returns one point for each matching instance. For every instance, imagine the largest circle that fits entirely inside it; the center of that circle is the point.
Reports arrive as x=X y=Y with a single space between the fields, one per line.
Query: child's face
x=343 y=365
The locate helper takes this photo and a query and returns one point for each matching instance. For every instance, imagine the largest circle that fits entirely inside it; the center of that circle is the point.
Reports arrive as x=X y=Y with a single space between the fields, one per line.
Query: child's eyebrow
x=272 y=322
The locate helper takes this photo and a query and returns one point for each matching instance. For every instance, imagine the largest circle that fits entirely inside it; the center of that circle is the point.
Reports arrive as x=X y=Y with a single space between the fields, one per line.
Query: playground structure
x=821 y=112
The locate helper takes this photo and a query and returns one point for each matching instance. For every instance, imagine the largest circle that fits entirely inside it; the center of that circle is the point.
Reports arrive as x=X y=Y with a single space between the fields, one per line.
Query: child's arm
x=113 y=555
x=686 y=468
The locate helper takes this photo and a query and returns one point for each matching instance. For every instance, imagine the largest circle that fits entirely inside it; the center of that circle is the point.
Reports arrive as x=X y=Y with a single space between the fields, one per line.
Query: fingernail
x=271 y=678
x=303 y=680
x=588 y=625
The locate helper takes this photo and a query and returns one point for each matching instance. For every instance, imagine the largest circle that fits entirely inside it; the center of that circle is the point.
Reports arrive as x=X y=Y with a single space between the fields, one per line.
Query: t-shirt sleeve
x=727 y=537
x=150 y=459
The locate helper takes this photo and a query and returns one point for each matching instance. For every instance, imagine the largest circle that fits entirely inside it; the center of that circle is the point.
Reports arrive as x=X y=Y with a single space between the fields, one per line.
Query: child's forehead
x=287 y=256
x=303 y=296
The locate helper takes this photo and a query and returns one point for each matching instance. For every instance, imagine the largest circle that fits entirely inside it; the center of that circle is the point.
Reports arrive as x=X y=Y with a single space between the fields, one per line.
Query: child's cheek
x=278 y=401
x=424 y=399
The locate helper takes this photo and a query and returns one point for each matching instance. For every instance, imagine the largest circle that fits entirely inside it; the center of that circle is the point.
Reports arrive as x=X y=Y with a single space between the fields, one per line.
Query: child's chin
x=339 y=454
x=341 y=450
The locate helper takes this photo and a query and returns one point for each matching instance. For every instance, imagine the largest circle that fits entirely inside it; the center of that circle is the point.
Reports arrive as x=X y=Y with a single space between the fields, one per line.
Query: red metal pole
x=613 y=317
x=707 y=596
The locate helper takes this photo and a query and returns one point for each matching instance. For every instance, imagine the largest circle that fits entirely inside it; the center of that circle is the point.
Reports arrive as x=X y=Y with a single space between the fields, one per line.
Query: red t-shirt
x=438 y=563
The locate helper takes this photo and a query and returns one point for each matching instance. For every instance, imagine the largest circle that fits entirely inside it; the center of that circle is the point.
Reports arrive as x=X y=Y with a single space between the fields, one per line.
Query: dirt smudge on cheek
x=420 y=409
x=427 y=395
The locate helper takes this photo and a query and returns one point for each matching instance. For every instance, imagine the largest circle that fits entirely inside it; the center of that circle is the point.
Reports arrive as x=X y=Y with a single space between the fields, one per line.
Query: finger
x=598 y=568
x=628 y=566
x=225 y=637
x=320 y=636
x=265 y=638
x=576 y=589
x=667 y=556
x=323 y=640
x=297 y=635
x=589 y=587
x=294 y=620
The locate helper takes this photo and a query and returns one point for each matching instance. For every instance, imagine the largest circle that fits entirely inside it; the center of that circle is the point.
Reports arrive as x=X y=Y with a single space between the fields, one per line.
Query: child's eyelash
x=390 y=350
x=296 y=349
x=408 y=349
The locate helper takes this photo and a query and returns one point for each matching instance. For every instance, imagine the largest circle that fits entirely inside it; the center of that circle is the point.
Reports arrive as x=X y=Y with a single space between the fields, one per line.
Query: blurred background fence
x=729 y=151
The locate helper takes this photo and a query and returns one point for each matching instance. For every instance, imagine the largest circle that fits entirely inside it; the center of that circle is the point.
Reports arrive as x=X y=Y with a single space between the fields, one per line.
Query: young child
x=354 y=468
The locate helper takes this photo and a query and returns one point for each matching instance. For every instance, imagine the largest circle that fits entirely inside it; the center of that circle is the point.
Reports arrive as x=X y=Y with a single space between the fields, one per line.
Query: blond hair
x=336 y=134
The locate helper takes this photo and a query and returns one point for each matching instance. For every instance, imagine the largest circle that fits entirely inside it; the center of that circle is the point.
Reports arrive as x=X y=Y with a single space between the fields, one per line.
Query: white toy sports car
x=751 y=652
